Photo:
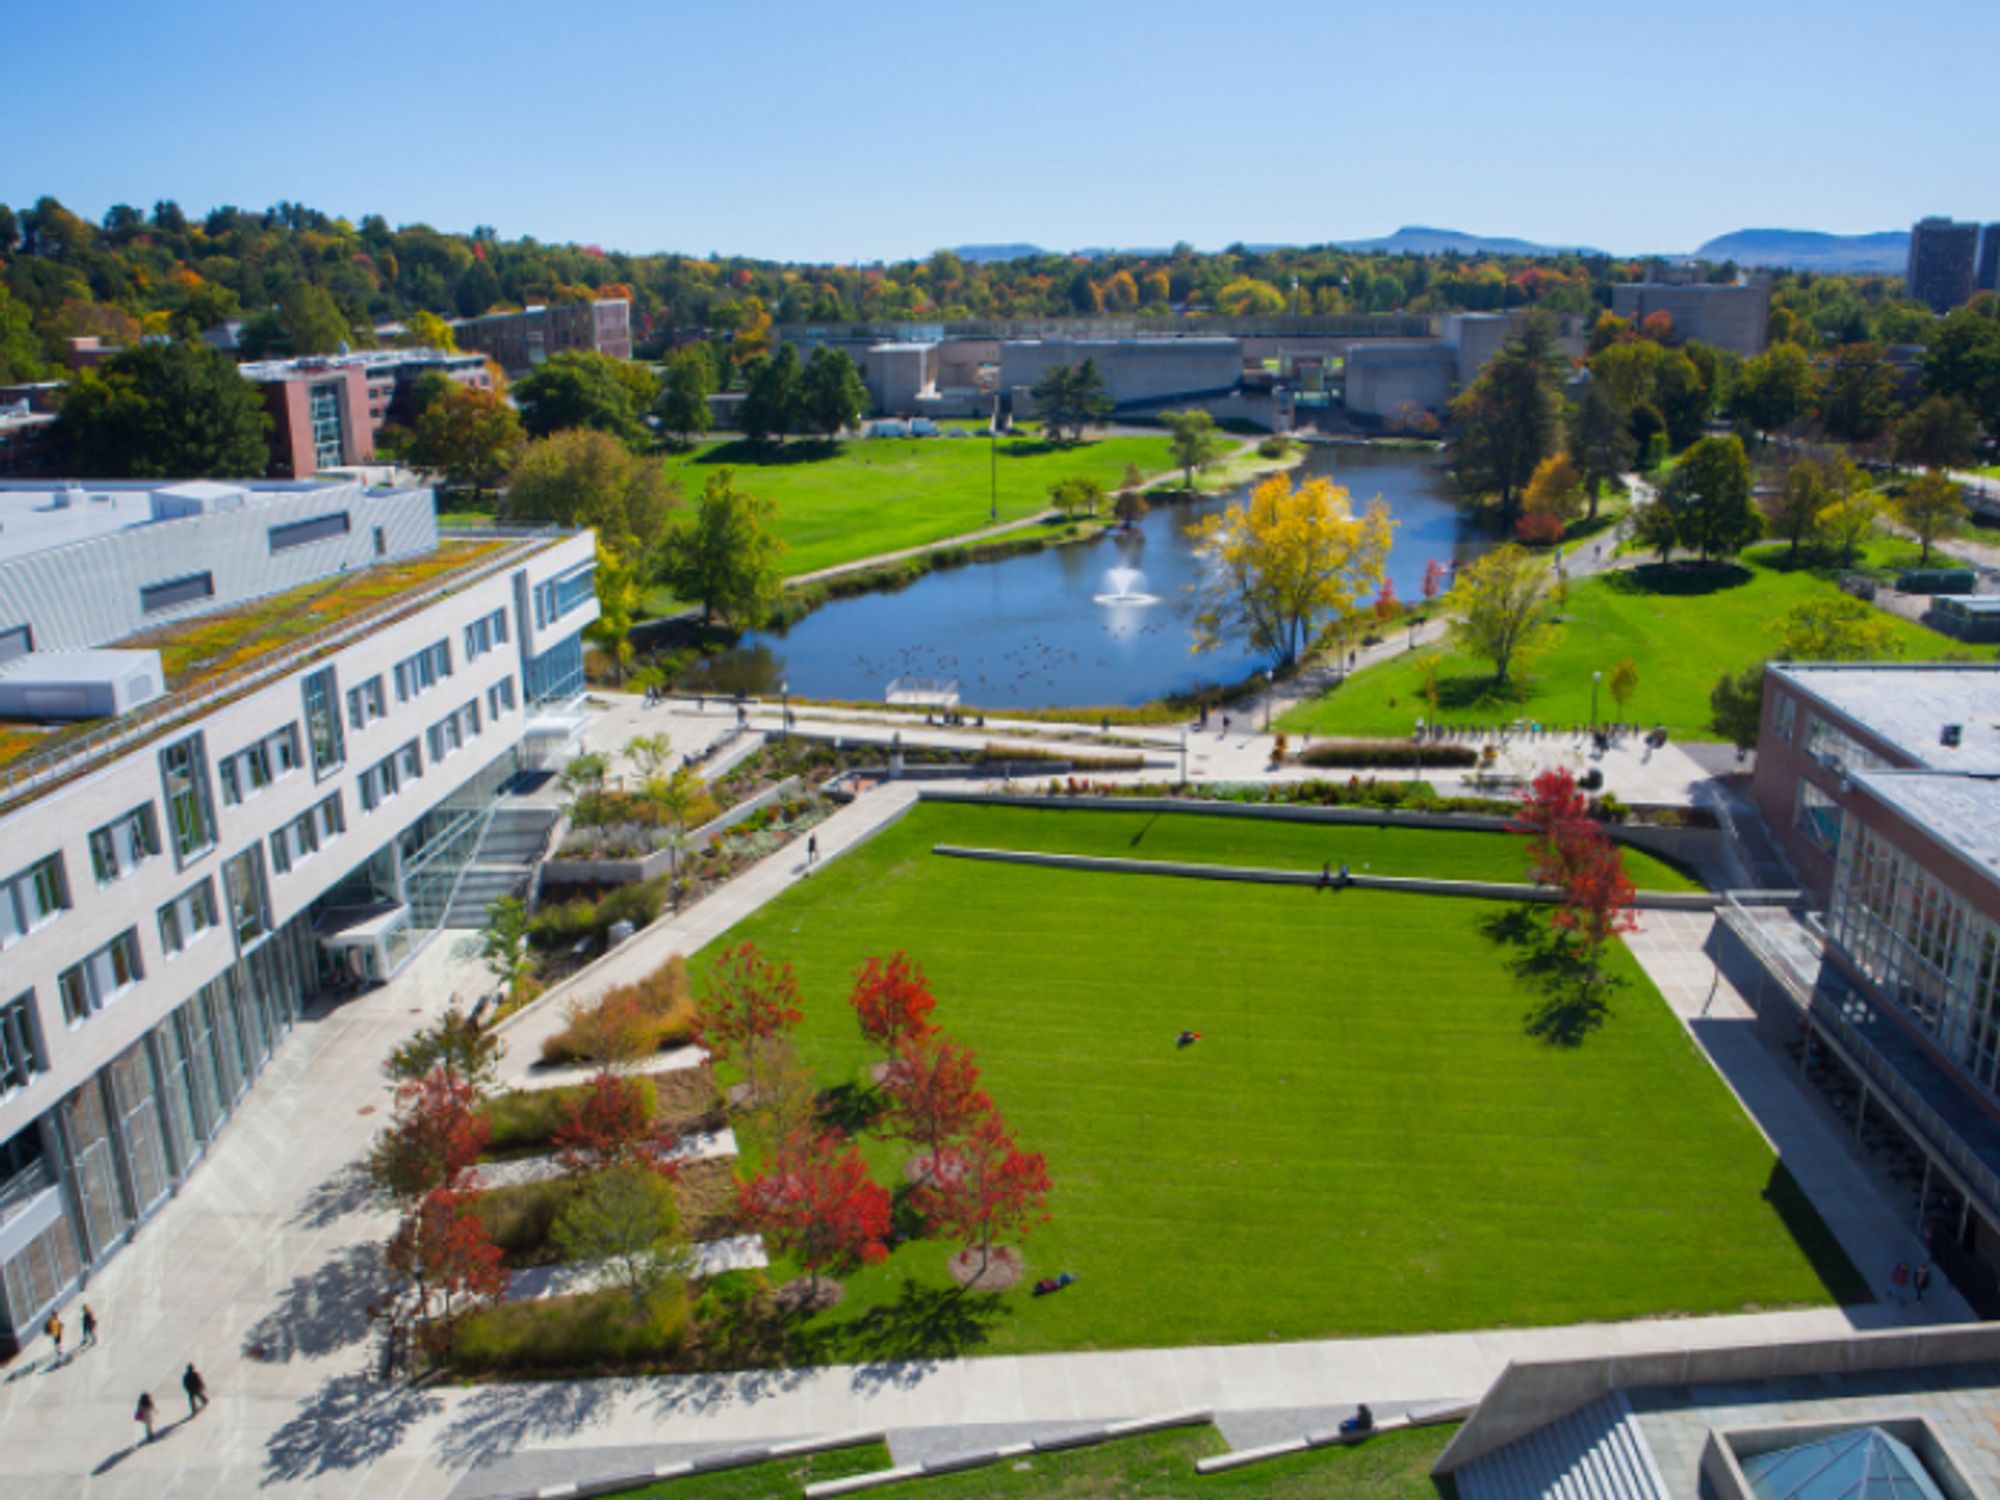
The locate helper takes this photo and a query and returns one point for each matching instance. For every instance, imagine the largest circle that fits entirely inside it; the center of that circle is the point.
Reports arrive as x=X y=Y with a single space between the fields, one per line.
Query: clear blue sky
x=880 y=130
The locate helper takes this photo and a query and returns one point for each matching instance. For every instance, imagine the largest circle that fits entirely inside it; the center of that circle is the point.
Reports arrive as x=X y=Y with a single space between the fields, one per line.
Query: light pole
x=1595 y=678
x=1184 y=757
x=993 y=465
x=785 y=710
x=1270 y=681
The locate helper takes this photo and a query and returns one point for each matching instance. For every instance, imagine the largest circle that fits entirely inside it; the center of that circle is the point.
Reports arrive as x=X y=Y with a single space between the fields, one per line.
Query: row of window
x=381 y=781
x=300 y=839
x=451 y=733
x=249 y=771
x=31 y=898
x=422 y=672
x=124 y=844
x=88 y=987
x=558 y=596
x=188 y=916
x=21 y=1052
x=485 y=634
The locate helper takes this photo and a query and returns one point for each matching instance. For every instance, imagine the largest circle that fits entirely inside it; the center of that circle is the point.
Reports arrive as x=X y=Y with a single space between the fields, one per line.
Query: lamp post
x=785 y=709
x=1184 y=757
x=993 y=465
x=1595 y=678
x=1270 y=681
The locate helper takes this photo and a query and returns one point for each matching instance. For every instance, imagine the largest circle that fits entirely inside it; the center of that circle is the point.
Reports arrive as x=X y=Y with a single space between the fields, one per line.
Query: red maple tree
x=816 y=1201
x=433 y=1141
x=1387 y=605
x=746 y=1000
x=934 y=1093
x=1597 y=897
x=447 y=1264
x=1433 y=578
x=1555 y=816
x=985 y=1188
x=892 y=1001
x=611 y=1124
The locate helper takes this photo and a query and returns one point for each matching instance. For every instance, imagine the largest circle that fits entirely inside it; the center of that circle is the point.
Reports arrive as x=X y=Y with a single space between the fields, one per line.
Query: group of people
x=147 y=1412
x=1904 y=1279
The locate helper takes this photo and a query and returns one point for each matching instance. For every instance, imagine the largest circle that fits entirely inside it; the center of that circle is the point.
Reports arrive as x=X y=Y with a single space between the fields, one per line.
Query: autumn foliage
x=446 y=1262
x=817 y=1202
x=746 y=1000
x=934 y=1093
x=611 y=1125
x=432 y=1142
x=1568 y=849
x=892 y=1002
x=985 y=1188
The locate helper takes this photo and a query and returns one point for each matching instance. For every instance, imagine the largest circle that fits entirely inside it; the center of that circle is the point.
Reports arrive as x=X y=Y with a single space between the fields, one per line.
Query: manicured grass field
x=1368 y=1140
x=1682 y=627
x=1156 y=1466
x=1437 y=853
x=876 y=495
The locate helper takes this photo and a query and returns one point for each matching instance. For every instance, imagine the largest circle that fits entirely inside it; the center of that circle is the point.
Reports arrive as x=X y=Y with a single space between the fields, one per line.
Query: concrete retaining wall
x=1532 y=1394
x=629 y=871
x=1485 y=890
x=1690 y=846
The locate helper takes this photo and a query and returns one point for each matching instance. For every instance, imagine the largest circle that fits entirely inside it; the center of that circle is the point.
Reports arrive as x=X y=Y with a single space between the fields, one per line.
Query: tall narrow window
x=322 y=697
x=190 y=815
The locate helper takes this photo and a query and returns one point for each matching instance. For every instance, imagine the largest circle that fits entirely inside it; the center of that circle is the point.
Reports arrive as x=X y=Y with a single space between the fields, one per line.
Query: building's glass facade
x=556 y=676
x=126 y=1137
x=323 y=411
x=1925 y=949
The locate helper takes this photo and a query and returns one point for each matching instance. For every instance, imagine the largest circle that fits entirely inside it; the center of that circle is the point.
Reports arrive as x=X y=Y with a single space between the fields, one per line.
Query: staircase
x=503 y=864
x=1595 y=1453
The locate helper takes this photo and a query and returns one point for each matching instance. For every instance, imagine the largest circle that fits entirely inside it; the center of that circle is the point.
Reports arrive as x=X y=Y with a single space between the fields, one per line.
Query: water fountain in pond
x=1125 y=586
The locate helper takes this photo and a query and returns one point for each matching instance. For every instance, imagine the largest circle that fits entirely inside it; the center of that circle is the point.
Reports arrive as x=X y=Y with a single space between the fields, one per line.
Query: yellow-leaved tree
x=1287 y=563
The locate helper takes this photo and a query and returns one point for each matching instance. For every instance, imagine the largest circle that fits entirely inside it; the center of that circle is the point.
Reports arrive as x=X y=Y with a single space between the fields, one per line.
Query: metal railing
x=32 y=773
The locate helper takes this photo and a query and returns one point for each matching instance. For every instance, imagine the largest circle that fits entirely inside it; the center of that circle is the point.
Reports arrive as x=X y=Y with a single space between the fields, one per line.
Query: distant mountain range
x=1797 y=249
x=1887 y=253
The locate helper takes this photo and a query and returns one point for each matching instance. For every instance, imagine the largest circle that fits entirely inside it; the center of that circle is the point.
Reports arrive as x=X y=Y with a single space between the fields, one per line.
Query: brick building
x=521 y=340
x=325 y=411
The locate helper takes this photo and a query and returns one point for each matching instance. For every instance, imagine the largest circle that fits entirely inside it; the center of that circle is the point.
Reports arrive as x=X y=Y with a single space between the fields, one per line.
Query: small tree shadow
x=742 y=453
x=922 y=1325
x=346 y=1191
x=1684 y=579
x=851 y=1108
x=350 y=1422
x=1573 y=1002
x=322 y=1310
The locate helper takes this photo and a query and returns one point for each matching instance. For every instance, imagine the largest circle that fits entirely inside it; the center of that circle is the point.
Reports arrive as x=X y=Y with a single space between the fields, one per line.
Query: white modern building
x=302 y=709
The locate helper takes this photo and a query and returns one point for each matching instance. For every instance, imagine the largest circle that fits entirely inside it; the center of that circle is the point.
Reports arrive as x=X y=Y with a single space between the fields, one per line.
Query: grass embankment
x=1156 y=1466
x=1682 y=625
x=1206 y=839
x=1376 y=1134
x=840 y=503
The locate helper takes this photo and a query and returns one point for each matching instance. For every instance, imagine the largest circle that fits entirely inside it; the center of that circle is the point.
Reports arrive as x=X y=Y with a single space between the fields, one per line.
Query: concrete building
x=1943 y=259
x=279 y=816
x=327 y=409
x=1396 y=381
x=519 y=341
x=28 y=442
x=1881 y=786
x=1140 y=375
x=1737 y=318
x=1988 y=279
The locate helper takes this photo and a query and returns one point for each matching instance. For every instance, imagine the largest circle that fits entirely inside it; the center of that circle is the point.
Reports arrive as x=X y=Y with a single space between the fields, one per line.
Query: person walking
x=146 y=1413
x=1922 y=1280
x=54 y=1329
x=89 y=1328
x=196 y=1388
x=1899 y=1281
x=812 y=850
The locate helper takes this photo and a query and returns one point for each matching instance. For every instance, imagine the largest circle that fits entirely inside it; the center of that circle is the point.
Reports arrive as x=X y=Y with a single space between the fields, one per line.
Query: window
x=21 y=1056
x=302 y=533
x=483 y=634
x=366 y=704
x=187 y=917
x=1784 y=716
x=249 y=902
x=323 y=411
x=190 y=816
x=123 y=844
x=1818 y=818
x=36 y=895
x=16 y=642
x=101 y=978
x=299 y=840
x=500 y=698
x=322 y=700
x=248 y=772
x=558 y=596
x=384 y=779
x=158 y=596
x=449 y=735
x=423 y=671
x=1838 y=751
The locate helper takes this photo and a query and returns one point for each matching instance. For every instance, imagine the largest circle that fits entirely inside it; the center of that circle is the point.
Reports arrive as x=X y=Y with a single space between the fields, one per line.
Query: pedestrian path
x=698 y=1145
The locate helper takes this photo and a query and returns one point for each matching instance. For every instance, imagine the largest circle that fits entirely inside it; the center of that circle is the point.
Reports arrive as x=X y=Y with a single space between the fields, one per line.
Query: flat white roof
x=37 y=515
x=1959 y=811
x=67 y=667
x=1909 y=706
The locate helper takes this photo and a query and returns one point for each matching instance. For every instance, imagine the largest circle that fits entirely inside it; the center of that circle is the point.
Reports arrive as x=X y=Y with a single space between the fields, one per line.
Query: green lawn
x=1155 y=1466
x=876 y=495
x=1431 y=852
x=1682 y=626
x=1370 y=1139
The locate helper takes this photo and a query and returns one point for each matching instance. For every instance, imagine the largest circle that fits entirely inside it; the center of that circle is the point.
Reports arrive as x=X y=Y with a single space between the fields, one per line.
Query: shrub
x=655 y=1013
x=1539 y=528
x=1386 y=753
x=522 y=1216
x=638 y=904
x=524 y=1121
x=563 y=924
x=1274 y=447
x=1076 y=761
x=573 y=1334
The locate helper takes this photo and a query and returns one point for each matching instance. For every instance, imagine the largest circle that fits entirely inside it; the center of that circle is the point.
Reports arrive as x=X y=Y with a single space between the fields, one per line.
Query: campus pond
x=1105 y=622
